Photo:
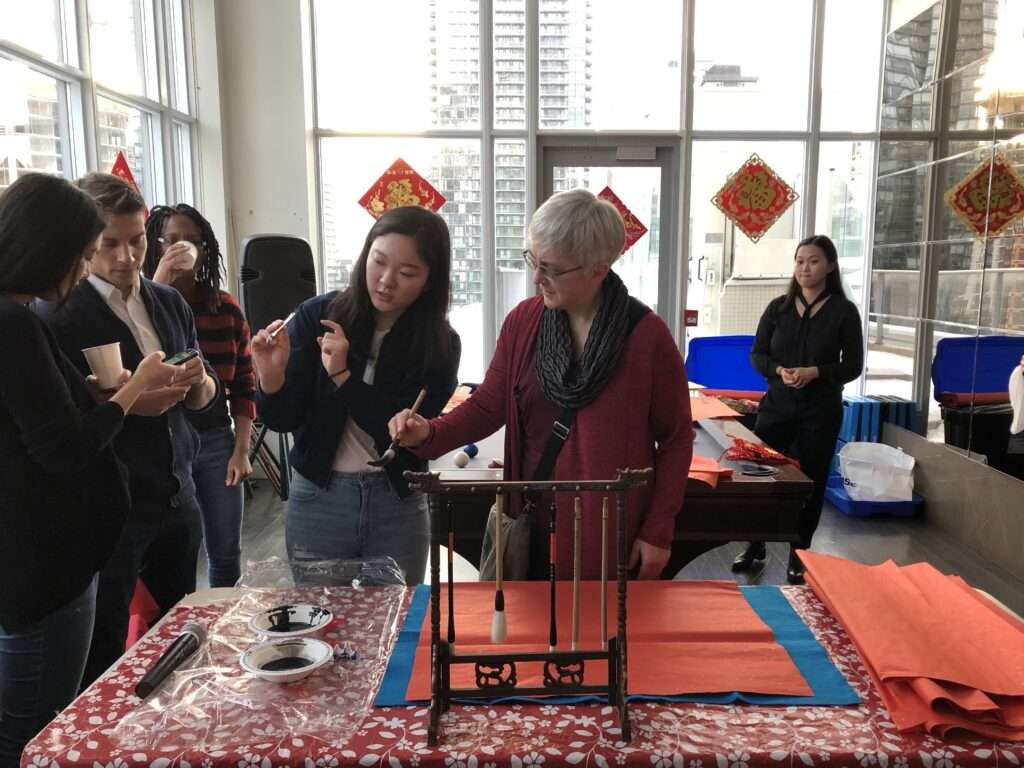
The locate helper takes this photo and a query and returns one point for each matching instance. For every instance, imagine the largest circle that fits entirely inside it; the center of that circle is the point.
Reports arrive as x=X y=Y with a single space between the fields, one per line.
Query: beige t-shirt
x=356 y=448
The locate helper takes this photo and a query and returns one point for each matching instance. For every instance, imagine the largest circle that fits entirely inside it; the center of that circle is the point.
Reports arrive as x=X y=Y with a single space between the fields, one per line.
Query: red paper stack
x=942 y=657
x=684 y=637
x=708 y=470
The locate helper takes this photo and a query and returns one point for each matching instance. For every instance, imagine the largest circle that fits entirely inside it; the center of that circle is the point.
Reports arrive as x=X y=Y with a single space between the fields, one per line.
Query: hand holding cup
x=105 y=363
x=178 y=259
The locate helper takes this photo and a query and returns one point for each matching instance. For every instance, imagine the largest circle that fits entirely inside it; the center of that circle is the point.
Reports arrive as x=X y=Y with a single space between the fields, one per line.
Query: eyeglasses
x=166 y=241
x=550 y=273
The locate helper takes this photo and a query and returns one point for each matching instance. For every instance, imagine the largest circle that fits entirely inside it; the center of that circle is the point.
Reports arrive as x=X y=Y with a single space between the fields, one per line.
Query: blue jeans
x=40 y=669
x=221 y=506
x=357 y=516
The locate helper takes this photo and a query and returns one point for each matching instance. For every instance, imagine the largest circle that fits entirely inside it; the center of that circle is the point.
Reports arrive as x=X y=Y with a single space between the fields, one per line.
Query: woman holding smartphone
x=63 y=496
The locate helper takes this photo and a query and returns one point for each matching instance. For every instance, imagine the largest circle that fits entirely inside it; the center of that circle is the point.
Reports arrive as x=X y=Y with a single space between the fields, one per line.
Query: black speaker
x=277 y=275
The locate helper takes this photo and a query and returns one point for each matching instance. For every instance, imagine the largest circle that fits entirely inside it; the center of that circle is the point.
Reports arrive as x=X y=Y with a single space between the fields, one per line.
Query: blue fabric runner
x=829 y=686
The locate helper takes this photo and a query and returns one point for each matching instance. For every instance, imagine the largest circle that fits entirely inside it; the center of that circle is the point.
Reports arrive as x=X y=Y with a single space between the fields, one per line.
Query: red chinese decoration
x=399 y=186
x=984 y=212
x=634 y=227
x=122 y=170
x=754 y=197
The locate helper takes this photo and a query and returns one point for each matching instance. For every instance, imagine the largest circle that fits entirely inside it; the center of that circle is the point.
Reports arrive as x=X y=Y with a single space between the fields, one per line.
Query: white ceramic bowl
x=291 y=620
x=286 y=660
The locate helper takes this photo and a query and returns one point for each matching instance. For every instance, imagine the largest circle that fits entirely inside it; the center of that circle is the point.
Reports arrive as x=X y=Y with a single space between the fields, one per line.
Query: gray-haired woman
x=582 y=346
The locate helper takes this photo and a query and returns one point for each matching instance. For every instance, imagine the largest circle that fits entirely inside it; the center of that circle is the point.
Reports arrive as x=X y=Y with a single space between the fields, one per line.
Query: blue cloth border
x=829 y=686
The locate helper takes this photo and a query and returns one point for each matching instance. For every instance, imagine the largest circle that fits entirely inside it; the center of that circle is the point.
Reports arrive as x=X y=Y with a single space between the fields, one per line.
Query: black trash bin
x=988 y=435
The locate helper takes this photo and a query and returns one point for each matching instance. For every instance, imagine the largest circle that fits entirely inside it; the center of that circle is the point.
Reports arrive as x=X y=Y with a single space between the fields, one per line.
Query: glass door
x=642 y=178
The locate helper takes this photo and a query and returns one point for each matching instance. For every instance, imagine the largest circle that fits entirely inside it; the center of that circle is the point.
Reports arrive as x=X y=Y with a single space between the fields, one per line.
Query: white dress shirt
x=132 y=312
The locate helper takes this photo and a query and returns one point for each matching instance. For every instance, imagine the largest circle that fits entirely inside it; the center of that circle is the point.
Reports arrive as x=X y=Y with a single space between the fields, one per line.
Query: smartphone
x=182 y=357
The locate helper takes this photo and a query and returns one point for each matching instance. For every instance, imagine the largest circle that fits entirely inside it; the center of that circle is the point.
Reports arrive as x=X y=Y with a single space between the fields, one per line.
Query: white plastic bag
x=876 y=472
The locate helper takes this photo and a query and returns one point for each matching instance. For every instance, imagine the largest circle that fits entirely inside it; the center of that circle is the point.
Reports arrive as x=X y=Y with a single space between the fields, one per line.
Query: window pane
x=176 y=46
x=183 y=181
x=33 y=123
x=510 y=225
x=586 y=81
x=731 y=279
x=121 y=43
x=889 y=367
x=120 y=128
x=849 y=94
x=1003 y=288
x=844 y=189
x=901 y=191
x=509 y=64
x=351 y=166
x=986 y=86
x=909 y=72
x=979 y=279
x=34 y=25
x=409 y=65
x=753 y=74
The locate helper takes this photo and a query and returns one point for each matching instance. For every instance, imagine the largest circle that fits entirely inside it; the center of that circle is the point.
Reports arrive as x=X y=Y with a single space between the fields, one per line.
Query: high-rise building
x=454 y=59
x=30 y=127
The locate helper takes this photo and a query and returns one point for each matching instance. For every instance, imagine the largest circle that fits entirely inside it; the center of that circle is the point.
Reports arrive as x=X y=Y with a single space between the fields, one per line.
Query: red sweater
x=223 y=337
x=640 y=419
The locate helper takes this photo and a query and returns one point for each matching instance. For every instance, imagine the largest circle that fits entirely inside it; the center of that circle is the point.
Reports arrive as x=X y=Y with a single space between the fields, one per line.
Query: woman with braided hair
x=584 y=350
x=183 y=252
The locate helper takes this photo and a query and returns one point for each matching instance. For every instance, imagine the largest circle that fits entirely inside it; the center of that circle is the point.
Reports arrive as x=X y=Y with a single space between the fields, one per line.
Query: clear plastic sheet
x=275 y=573
x=212 y=704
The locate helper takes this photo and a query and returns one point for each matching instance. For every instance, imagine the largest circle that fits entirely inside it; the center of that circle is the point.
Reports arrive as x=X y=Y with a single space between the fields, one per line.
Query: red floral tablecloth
x=534 y=736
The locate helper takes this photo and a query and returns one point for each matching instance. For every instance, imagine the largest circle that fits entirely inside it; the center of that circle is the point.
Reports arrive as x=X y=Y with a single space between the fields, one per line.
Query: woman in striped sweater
x=182 y=251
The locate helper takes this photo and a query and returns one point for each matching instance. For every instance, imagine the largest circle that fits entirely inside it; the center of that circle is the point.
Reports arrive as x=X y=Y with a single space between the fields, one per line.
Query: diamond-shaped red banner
x=399 y=186
x=970 y=200
x=122 y=170
x=634 y=227
x=754 y=197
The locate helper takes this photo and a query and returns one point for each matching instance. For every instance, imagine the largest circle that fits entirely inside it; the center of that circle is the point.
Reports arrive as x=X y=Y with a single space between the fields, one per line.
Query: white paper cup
x=105 y=363
x=191 y=255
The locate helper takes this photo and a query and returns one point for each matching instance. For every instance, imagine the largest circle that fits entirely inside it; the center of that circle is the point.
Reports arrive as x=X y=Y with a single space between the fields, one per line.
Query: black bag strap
x=563 y=424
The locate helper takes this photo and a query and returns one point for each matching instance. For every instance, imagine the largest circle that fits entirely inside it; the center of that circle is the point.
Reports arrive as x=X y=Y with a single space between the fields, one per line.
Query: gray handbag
x=516 y=533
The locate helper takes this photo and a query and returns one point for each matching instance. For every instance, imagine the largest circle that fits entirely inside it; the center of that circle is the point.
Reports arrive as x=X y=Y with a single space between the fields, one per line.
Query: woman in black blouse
x=63 y=498
x=809 y=344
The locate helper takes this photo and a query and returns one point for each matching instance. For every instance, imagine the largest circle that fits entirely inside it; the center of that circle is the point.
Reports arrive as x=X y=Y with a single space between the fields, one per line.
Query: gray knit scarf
x=574 y=384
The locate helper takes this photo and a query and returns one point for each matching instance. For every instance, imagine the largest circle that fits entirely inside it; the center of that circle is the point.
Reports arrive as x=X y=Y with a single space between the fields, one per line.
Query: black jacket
x=158 y=450
x=831 y=339
x=63 y=494
x=316 y=410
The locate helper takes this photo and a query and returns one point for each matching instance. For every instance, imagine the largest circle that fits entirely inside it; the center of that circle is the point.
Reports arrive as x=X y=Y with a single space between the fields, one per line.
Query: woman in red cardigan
x=584 y=344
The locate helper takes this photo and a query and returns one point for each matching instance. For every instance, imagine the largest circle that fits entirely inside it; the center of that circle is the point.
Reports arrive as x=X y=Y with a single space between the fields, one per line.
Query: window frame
x=75 y=72
x=536 y=138
x=939 y=136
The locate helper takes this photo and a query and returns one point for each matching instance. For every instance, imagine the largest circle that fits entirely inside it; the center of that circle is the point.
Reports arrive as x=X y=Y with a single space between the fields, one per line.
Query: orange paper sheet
x=684 y=637
x=710 y=408
x=736 y=394
x=707 y=470
x=942 y=657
